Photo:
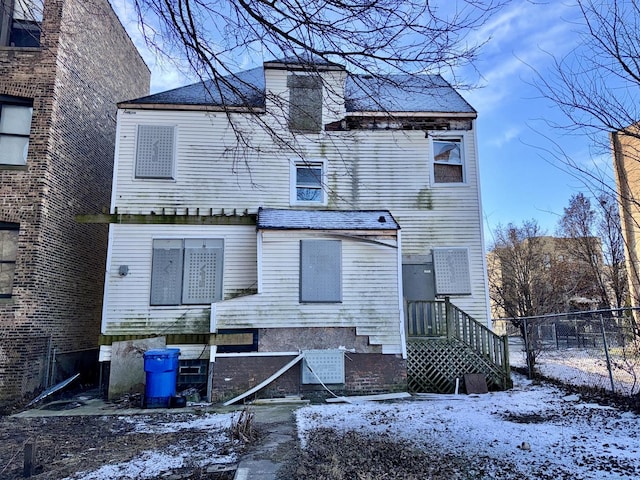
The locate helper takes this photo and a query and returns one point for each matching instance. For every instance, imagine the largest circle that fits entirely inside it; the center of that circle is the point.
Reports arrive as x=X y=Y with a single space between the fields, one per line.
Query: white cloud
x=505 y=137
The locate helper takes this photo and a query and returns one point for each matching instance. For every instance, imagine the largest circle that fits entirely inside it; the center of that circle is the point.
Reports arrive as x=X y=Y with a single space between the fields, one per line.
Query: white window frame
x=293 y=177
x=172 y=176
x=449 y=136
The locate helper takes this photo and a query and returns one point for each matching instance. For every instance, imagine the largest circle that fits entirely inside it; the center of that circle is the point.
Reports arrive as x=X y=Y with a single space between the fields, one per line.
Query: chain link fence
x=598 y=349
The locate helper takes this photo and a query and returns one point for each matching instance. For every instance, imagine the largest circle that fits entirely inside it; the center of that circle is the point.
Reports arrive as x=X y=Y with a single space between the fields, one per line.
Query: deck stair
x=444 y=343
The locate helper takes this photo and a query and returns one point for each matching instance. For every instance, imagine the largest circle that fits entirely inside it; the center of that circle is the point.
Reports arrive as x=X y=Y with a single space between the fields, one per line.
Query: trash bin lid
x=162 y=352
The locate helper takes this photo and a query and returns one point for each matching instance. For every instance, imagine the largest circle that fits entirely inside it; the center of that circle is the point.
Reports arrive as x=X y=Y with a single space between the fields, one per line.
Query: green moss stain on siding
x=424 y=201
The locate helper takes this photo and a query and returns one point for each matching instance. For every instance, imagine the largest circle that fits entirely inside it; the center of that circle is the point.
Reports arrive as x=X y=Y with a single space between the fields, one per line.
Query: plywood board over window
x=320 y=271
x=448 y=160
x=305 y=103
x=155 y=152
x=186 y=272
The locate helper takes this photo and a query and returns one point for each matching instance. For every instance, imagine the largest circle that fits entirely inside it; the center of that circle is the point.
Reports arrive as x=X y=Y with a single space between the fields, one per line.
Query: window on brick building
x=186 y=271
x=20 y=22
x=15 y=125
x=320 y=271
x=155 y=152
x=8 y=250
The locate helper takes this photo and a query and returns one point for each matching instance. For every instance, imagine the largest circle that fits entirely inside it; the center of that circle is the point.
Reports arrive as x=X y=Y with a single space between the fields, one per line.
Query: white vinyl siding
x=369 y=291
x=127 y=306
x=364 y=170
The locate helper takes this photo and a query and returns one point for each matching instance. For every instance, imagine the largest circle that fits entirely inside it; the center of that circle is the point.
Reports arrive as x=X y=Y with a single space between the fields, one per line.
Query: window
x=320 y=271
x=448 y=162
x=20 y=22
x=307 y=180
x=15 y=125
x=8 y=249
x=186 y=272
x=155 y=151
x=305 y=103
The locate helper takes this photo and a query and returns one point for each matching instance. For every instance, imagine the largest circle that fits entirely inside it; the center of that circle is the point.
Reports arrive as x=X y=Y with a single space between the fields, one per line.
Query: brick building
x=64 y=64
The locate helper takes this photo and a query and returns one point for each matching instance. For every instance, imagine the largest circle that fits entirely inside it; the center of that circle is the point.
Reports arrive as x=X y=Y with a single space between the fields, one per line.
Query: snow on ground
x=538 y=429
x=207 y=448
x=582 y=367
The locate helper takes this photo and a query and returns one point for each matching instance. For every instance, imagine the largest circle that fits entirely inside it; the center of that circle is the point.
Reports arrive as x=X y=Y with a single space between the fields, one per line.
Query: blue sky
x=521 y=178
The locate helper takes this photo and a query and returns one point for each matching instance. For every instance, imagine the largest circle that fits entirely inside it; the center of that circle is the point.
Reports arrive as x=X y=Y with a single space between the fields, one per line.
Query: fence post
x=606 y=352
x=527 y=347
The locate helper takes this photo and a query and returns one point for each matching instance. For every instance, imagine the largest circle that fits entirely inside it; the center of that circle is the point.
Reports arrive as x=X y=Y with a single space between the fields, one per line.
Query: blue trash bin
x=161 y=369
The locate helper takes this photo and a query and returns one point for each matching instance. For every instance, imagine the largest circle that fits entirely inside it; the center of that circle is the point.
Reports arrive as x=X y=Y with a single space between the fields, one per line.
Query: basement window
x=21 y=22
x=8 y=252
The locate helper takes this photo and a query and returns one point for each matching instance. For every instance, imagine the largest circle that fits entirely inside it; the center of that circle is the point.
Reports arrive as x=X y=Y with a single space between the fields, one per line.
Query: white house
x=281 y=217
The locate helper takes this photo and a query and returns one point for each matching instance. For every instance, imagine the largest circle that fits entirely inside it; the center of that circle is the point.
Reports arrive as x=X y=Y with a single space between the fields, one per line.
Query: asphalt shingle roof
x=363 y=93
x=272 y=218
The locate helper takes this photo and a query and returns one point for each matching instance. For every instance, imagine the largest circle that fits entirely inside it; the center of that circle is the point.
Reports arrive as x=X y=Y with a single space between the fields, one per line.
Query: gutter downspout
x=403 y=338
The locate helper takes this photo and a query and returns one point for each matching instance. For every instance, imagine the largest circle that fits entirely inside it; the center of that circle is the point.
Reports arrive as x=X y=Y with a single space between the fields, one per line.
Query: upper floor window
x=20 y=22
x=186 y=271
x=307 y=180
x=155 y=151
x=305 y=103
x=8 y=250
x=15 y=125
x=448 y=160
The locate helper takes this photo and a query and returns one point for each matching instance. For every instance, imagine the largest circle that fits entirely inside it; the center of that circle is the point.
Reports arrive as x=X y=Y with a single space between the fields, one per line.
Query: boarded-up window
x=155 y=151
x=320 y=271
x=448 y=162
x=15 y=126
x=166 y=272
x=8 y=251
x=186 y=272
x=305 y=103
x=452 y=271
x=202 y=271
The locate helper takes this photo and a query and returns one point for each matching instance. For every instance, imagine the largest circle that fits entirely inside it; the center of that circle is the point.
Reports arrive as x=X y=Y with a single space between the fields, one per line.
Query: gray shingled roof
x=272 y=218
x=363 y=93
x=403 y=93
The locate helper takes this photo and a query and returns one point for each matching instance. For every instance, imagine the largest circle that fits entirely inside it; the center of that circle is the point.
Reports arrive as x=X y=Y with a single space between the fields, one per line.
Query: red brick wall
x=86 y=64
x=365 y=373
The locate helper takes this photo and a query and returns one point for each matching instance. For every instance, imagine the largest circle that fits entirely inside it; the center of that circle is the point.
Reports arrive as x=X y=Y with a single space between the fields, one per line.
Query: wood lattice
x=434 y=364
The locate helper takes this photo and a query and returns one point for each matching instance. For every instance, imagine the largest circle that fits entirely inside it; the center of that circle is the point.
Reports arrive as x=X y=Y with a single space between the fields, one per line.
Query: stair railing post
x=448 y=315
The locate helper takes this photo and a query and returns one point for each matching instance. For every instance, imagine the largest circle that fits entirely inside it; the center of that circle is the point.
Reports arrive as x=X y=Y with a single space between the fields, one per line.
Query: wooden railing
x=443 y=319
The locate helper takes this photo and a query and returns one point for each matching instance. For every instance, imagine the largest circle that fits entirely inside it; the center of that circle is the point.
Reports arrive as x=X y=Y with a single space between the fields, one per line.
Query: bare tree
x=520 y=285
x=578 y=225
x=597 y=87
x=407 y=36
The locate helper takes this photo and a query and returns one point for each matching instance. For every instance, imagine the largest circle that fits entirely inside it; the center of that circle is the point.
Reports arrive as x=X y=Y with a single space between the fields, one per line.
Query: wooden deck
x=444 y=344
